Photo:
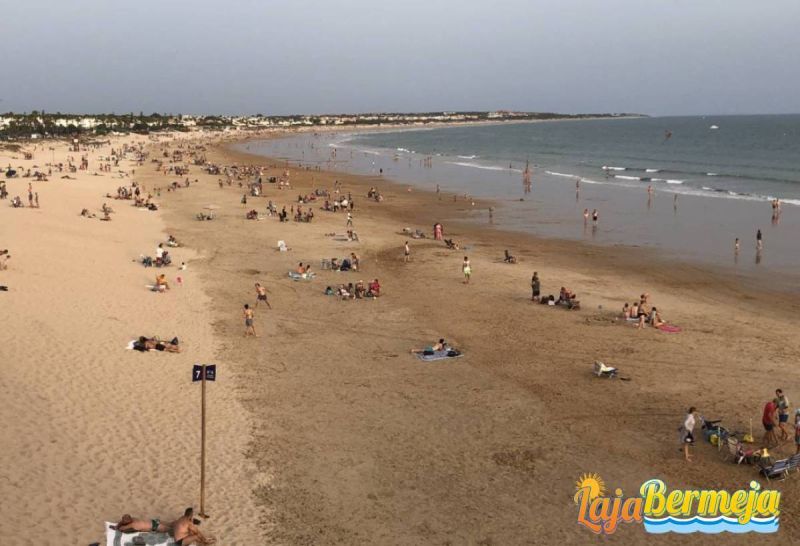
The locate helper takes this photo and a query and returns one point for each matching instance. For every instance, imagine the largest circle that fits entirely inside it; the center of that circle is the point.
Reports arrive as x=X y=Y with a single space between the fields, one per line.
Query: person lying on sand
x=151 y=343
x=441 y=345
x=509 y=259
x=129 y=525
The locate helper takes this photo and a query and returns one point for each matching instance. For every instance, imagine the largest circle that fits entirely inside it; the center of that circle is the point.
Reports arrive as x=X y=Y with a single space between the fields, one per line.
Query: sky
x=657 y=57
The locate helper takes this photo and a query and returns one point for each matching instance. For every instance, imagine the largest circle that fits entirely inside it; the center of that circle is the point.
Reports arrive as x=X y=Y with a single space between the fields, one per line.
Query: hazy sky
x=304 y=56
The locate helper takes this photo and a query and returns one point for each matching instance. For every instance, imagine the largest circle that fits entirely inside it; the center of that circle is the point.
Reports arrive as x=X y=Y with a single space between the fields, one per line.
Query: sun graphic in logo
x=592 y=484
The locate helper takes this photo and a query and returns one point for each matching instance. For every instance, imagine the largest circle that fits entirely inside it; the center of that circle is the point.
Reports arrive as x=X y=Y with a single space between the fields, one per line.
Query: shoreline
x=553 y=210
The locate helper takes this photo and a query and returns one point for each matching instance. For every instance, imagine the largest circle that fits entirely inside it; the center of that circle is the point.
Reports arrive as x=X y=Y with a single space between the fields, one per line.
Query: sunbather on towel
x=129 y=525
x=441 y=345
x=149 y=344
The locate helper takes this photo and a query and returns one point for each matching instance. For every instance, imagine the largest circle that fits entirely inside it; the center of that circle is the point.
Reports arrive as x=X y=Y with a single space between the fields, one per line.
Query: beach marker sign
x=203 y=373
x=210 y=372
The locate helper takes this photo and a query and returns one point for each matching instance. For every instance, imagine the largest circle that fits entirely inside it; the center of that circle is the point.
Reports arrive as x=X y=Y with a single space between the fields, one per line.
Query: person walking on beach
x=30 y=196
x=349 y=220
x=406 y=253
x=36 y=199
x=736 y=246
x=250 y=329
x=687 y=433
x=585 y=216
x=595 y=216
x=466 y=269
x=535 y=287
x=783 y=413
x=261 y=295
x=759 y=243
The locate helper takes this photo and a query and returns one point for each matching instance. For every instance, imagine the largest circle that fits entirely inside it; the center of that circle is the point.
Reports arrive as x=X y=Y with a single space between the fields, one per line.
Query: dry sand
x=349 y=439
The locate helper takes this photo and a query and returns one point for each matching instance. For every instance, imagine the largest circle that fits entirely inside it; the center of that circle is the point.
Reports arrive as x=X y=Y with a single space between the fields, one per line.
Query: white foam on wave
x=468 y=157
x=623 y=177
x=712 y=174
x=652 y=170
x=477 y=166
x=672 y=181
x=573 y=176
x=607 y=168
x=404 y=150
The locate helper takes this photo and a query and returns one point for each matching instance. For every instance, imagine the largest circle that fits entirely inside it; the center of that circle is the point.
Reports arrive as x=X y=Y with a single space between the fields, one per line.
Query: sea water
x=684 y=186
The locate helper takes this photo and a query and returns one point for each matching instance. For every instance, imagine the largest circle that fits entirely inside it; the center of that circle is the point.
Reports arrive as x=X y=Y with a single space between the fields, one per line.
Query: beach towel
x=301 y=277
x=115 y=538
x=438 y=355
x=669 y=328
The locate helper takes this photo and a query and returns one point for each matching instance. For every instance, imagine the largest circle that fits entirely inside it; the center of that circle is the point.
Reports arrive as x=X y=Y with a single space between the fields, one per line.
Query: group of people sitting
x=373 y=193
x=303 y=216
x=347 y=264
x=252 y=214
x=640 y=313
x=355 y=291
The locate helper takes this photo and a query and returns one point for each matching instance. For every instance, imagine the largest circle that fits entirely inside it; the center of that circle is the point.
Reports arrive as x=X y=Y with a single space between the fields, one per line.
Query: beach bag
x=453 y=352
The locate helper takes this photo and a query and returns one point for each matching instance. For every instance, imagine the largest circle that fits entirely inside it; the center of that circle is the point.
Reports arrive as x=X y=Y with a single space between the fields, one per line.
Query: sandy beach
x=325 y=429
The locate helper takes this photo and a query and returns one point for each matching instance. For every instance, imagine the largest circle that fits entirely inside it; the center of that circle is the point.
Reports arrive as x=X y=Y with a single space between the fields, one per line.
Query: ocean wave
x=607 y=168
x=712 y=174
x=623 y=177
x=652 y=170
x=406 y=150
x=467 y=157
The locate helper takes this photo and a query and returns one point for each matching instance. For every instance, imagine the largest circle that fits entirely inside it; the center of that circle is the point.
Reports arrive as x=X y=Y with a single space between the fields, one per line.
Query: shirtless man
x=129 y=525
x=249 y=328
x=261 y=295
x=186 y=532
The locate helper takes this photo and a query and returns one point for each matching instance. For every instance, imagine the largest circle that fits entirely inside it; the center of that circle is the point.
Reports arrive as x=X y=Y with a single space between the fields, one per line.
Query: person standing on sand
x=36 y=199
x=30 y=196
x=261 y=295
x=768 y=420
x=349 y=220
x=759 y=243
x=736 y=246
x=250 y=329
x=406 y=253
x=466 y=268
x=797 y=430
x=687 y=433
x=535 y=287
x=783 y=413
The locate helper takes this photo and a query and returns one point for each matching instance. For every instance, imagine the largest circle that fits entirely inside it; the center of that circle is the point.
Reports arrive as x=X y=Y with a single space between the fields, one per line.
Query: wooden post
x=203 y=441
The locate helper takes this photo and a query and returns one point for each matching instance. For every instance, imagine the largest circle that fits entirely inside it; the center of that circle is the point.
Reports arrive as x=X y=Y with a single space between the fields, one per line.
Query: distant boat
x=714 y=127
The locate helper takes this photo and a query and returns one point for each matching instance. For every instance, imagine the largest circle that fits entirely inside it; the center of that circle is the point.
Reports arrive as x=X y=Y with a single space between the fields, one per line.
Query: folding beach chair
x=779 y=470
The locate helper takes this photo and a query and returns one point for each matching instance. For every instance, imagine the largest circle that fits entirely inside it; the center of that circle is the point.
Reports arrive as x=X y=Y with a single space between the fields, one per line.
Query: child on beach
x=406 y=253
x=466 y=268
